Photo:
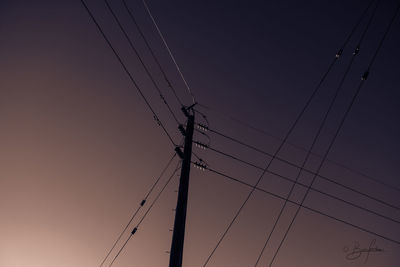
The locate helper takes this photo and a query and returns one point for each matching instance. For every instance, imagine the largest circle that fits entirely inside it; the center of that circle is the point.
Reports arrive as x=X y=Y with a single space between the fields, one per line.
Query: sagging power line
x=274 y=156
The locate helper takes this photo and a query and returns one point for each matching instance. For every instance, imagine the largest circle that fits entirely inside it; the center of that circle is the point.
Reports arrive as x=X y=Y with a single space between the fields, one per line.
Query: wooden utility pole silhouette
x=178 y=236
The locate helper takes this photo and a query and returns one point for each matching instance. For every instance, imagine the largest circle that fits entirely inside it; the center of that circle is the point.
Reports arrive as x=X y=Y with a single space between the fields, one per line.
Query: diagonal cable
x=363 y=79
x=305 y=186
x=151 y=51
x=330 y=180
x=169 y=51
x=127 y=71
x=317 y=135
x=286 y=137
x=308 y=171
x=138 y=209
x=333 y=162
x=145 y=215
x=132 y=46
x=304 y=206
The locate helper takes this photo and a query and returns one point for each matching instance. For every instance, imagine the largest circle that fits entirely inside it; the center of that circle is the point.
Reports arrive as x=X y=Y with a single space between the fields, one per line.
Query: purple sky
x=80 y=149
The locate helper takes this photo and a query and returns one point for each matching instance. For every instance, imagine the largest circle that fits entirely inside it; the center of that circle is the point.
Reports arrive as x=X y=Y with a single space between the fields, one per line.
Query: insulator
x=356 y=50
x=365 y=75
x=201 y=145
x=200 y=166
x=339 y=53
x=202 y=127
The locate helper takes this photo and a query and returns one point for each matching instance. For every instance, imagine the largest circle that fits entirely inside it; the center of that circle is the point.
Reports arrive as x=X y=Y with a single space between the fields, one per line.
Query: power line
x=318 y=134
x=306 y=170
x=140 y=59
x=144 y=216
x=304 y=206
x=157 y=197
x=285 y=139
x=263 y=132
x=270 y=162
x=362 y=82
x=127 y=72
x=138 y=208
x=238 y=121
x=151 y=51
x=305 y=186
x=169 y=50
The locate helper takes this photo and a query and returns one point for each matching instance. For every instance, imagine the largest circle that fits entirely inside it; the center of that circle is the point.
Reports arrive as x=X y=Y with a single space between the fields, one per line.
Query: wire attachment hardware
x=339 y=53
x=356 y=50
x=134 y=231
x=157 y=120
x=182 y=129
x=365 y=75
x=179 y=152
x=185 y=110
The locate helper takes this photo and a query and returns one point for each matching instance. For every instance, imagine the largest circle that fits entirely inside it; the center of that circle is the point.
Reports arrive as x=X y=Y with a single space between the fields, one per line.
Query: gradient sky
x=80 y=150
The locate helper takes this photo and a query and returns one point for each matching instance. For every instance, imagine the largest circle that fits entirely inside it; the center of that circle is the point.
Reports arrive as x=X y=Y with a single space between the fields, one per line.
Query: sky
x=80 y=149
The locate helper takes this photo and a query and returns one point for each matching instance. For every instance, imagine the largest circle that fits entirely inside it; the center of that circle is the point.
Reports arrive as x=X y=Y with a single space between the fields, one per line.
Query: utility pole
x=178 y=236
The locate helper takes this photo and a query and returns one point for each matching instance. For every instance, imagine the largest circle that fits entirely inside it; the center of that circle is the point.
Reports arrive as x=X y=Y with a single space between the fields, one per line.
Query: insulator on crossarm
x=200 y=166
x=202 y=127
x=201 y=145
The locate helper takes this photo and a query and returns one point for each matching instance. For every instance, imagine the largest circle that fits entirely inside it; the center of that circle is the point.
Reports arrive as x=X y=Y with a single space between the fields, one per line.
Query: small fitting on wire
x=134 y=231
x=365 y=76
x=356 y=50
x=339 y=53
x=157 y=120
x=168 y=82
x=163 y=99
x=142 y=203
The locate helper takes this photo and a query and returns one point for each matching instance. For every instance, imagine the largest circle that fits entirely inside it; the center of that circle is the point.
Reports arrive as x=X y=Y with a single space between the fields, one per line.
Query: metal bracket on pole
x=185 y=110
x=179 y=152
